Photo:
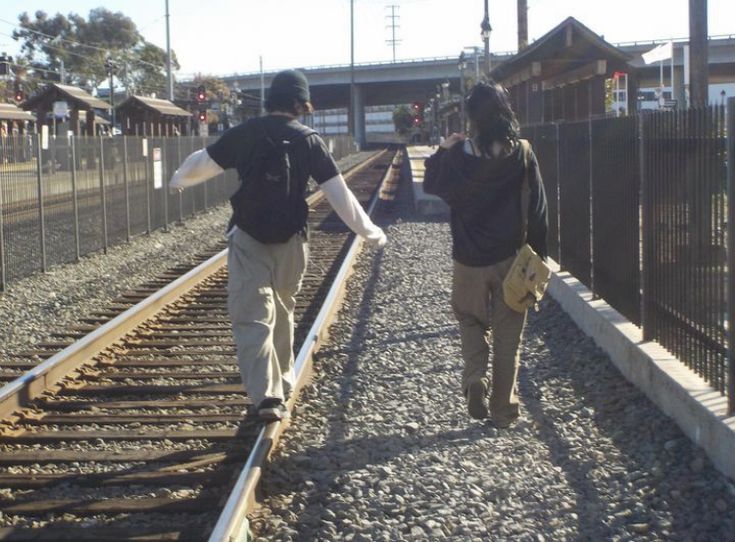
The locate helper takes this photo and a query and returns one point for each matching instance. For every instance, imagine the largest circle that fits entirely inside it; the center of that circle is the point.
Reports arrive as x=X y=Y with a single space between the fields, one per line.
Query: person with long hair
x=480 y=177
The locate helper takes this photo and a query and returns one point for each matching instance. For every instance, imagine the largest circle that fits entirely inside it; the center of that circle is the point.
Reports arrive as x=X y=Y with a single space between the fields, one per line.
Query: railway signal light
x=418 y=113
x=19 y=95
x=202 y=116
x=201 y=93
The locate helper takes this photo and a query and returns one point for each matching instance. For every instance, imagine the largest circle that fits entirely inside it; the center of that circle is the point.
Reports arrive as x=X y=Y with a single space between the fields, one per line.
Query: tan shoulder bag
x=528 y=277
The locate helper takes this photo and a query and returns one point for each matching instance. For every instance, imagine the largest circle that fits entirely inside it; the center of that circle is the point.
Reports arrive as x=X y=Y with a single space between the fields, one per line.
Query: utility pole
x=62 y=72
x=522 y=24
x=393 y=17
x=699 y=71
x=351 y=115
x=169 y=75
x=486 y=29
x=110 y=65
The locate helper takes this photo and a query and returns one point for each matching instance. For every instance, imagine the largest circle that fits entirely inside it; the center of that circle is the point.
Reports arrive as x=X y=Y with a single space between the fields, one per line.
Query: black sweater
x=484 y=195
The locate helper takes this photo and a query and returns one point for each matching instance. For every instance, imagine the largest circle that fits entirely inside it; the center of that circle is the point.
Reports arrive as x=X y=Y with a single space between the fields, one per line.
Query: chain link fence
x=73 y=196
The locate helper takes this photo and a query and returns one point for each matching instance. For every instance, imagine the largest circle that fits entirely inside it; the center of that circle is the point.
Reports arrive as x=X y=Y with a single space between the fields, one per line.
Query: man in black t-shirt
x=264 y=277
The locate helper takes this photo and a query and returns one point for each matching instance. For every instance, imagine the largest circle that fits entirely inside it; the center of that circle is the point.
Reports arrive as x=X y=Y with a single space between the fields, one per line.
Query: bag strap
x=525 y=189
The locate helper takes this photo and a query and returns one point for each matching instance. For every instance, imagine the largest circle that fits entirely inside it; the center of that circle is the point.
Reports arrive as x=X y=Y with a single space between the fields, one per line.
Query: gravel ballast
x=382 y=448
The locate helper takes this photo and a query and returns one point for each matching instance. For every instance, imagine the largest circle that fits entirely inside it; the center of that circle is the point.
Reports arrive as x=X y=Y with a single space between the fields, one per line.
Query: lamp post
x=461 y=64
x=486 y=29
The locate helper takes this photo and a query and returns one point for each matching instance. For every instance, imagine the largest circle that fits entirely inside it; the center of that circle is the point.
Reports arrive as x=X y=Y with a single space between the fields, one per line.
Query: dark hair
x=492 y=118
x=278 y=102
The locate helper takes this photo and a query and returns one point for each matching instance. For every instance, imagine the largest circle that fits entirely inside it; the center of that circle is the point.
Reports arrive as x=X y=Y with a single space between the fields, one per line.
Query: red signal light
x=202 y=116
x=201 y=93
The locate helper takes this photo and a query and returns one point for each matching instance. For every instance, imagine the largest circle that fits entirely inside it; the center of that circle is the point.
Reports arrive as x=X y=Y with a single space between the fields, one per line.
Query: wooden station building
x=80 y=109
x=561 y=76
x=13 y=120
x=139 y=115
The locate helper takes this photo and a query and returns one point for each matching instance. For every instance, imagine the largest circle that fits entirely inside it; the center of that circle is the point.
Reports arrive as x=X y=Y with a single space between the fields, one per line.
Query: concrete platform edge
x=697 y=408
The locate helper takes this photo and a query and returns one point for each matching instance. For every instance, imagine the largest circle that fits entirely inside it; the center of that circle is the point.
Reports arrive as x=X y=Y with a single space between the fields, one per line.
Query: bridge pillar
x=359 y=116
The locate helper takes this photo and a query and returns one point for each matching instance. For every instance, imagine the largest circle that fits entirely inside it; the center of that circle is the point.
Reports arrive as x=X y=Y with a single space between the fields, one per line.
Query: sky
x=223 y=37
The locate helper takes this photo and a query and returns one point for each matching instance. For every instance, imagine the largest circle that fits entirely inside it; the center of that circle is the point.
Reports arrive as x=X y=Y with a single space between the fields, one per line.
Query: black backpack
x=270 y=205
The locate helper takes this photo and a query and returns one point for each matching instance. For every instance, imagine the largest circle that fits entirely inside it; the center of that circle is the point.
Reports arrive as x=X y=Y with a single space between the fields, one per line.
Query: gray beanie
x=290 y=84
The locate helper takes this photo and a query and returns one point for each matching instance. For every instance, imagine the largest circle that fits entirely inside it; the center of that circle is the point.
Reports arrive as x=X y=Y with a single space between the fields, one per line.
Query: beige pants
x=477 y=301
x=262 y=285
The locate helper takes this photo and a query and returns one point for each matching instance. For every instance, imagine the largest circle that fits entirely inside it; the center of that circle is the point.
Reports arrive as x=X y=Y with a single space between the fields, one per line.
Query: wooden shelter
x=13 y=120
x=561 y=76
x=80 y=108
x=152 y=117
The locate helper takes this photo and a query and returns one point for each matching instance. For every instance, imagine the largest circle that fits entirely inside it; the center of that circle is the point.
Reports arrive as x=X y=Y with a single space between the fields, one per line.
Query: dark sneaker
x=476 y=400
x=502 y=424
x=272 y=409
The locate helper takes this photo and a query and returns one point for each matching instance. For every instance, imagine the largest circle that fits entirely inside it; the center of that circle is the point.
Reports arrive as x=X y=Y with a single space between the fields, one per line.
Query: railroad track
x=136 y=431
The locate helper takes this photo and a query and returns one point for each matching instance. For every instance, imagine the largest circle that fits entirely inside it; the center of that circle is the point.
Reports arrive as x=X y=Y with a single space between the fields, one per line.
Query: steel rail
x=19 y=393
x=231 y=525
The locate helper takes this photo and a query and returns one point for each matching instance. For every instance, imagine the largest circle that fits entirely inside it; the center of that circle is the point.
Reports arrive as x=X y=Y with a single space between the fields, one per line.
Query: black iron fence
x=639 y=214
x=72 y=196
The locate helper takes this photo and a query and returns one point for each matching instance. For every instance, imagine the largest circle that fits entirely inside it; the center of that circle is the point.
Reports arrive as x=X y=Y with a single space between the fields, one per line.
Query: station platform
x=381 y=446
x=425 y=204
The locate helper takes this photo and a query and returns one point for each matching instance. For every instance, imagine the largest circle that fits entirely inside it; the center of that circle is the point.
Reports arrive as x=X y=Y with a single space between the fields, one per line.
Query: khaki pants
x=262 y=285
x=477 y=301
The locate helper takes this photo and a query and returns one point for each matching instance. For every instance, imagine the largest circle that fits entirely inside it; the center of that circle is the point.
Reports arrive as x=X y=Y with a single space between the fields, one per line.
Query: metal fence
x=78 y=195
x=642 y=220
x=685 y=245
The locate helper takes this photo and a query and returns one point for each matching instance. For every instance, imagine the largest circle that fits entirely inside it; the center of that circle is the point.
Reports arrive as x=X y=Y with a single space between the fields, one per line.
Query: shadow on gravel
x=341 y=455
x=650 y=477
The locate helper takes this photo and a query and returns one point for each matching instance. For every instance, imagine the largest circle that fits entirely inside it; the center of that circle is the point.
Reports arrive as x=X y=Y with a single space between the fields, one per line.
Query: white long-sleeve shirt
x=199 y=166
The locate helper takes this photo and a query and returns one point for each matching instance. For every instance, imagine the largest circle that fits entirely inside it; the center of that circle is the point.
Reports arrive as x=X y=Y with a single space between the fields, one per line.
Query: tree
x=217 y=90
x=84 y=46
x=402 y=119
x=144 y=70
x=217 y=99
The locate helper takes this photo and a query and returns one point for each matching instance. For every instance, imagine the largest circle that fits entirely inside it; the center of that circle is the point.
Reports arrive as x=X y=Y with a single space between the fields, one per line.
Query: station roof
x=13 y=112
x=52 y=92
x=157 y=105
x=569 y=43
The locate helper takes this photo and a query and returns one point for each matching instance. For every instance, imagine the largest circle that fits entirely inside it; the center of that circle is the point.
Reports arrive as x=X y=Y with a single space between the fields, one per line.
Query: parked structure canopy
x=140 y=115
x=77 y=101
x=561 y=76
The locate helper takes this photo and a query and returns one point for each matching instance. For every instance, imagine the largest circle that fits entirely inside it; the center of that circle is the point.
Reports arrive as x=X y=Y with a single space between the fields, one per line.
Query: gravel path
x=33 y=307
x=382 y=448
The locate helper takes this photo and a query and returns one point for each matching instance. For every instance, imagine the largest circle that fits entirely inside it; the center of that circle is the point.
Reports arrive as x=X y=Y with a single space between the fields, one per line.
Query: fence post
x=127 y=188
x=2 y=243
x=148 y=183
x=164 y=188
x=180 y=198
x=593 y=286
x=206 y=183
x=730 y=255
x=41 y=219
x=103 y=195
x=558 y=193
x=647 y=232
x=75 y=197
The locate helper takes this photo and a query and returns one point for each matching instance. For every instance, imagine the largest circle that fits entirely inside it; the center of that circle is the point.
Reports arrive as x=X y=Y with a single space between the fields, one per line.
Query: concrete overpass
x=406 y=81
x=378 y=83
